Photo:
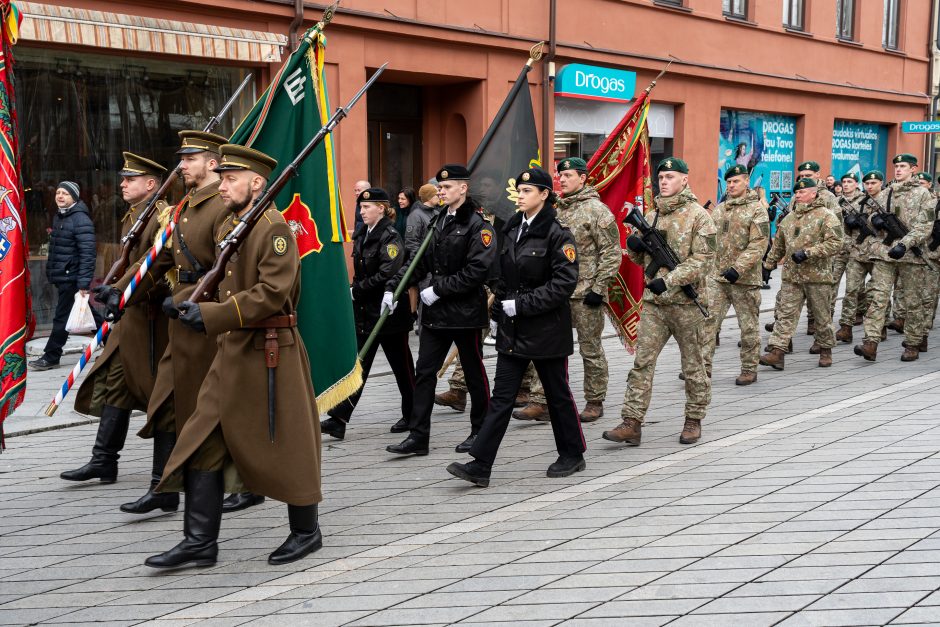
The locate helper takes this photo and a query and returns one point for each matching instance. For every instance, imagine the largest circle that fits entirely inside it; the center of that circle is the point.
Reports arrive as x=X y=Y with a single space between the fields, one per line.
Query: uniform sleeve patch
x=570 y=252
x=392 y=250
x=486 y=236
x=712 y=242
x=280 y=245
x=764 y=228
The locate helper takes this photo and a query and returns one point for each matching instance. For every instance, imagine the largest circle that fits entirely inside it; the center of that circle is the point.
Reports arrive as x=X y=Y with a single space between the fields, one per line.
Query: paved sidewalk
x=811 y=500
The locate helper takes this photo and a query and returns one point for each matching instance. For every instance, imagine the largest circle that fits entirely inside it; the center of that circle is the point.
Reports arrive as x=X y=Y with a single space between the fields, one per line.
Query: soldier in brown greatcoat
x=231 y=437
x=184 y=260
x=122 y=380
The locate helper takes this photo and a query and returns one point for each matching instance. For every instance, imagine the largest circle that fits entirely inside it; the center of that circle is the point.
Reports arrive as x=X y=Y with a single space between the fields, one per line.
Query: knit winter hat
x=71 y=188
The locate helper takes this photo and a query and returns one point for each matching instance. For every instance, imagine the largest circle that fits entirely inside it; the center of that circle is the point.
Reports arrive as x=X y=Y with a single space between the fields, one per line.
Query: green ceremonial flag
x=286 y=117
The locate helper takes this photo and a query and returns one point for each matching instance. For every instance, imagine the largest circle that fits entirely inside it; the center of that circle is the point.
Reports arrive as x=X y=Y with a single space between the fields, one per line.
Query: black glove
x=731 y=275
x=636 y=244
x=496 y=309
x=877 y=221
x=101 y=293
x=593 y=299
x=191 y=316
x=169 y=308
x=111 y=298
x=765 y=274
x=357 y=290
x=934 y=236
x=799 y=256
x=898 y=251
x=657 y=286
x=851 y=221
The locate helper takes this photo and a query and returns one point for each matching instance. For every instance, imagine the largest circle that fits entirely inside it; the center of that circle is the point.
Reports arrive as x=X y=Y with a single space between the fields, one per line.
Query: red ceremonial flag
x=14 y=253
x=620 y=171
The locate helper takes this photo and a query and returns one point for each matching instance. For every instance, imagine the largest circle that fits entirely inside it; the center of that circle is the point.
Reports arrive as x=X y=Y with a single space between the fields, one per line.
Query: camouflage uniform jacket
x=690 y=233
x=850 y=245
x=915 y=207
x=814 y=229
x=743 y=230
x=596 y=237
x=933 y=254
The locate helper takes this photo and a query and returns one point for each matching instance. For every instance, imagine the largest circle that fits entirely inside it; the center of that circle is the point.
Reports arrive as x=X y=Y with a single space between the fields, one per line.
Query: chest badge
x=280 y=245
x=487 y=237
x=392 y=250
x=570 y=252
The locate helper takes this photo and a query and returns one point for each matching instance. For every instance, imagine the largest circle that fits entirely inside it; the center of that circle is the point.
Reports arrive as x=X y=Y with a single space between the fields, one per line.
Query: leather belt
x=188 y=276
x=274 y=322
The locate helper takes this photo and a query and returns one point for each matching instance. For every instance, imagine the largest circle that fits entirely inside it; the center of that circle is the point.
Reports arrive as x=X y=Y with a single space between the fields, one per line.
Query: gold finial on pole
x=328 y=14
x=661 y=74
x=535 y=53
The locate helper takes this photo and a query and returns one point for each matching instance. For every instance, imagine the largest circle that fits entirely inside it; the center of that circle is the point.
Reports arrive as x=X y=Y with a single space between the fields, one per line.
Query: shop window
x=845 y=19
x=889 y=36
x=79 y=112
x=793 y=14
x=734 y=8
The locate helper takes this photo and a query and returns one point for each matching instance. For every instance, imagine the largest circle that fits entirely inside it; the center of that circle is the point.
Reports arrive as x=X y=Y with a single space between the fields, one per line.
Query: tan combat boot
x=825 y=357
x=844 y=334
x=691 y=432
x=522 y=397
x=455 y=399
x=867 y=349
x=910 y=352
x=630 y=431
x=746 y=378
x=592 y=411
x=532 y=411
x=896 y=325
x=815 y=348
x=773 y=357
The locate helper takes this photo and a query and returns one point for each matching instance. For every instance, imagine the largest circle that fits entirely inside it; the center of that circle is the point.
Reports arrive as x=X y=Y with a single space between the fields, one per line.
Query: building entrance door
x=394 y=115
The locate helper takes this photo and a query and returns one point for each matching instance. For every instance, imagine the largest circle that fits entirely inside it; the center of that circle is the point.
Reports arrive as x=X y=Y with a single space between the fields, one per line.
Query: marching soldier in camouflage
x=932 y=293
x=915 y=208
x=743 y=231
x=667 y=311
x=858 y=265
x=807 y=239
x=599 y=255
x=810 y=169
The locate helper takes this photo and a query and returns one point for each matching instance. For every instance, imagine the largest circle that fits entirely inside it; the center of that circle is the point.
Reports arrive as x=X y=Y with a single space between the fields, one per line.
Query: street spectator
x=358 y=188
x=406 y=201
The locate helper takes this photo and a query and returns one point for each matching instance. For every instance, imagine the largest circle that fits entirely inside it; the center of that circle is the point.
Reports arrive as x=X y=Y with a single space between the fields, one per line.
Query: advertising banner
x=763 y=142
x=858 y=147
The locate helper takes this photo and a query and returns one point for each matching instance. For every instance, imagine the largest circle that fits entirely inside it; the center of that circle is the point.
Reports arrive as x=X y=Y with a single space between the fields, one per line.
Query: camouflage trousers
x=657 y=324
x=746 y=302
x=857 y=296
x=931 y=295
x=911 y=279
x=817 y=297
x=589 y=323
x=839 y=265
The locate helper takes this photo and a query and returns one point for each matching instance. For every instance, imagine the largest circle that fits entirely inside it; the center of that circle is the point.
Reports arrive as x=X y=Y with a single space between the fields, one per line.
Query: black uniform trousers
x=63 y=307
x=435 y=343
x=398 y=354
x=566 y=423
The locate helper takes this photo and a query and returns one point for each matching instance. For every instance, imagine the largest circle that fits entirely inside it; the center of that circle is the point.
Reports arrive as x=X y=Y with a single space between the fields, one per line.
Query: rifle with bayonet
x=662 y=253
x=132 y=237
x=209 y=284
x=855 y=220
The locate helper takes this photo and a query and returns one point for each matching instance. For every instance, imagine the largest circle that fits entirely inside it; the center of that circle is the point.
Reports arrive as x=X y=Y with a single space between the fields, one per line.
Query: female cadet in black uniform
x=538 y=272
x=378 y=253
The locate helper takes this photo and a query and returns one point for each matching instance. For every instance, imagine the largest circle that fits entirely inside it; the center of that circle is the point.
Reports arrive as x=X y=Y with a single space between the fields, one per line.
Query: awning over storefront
x=82 y=27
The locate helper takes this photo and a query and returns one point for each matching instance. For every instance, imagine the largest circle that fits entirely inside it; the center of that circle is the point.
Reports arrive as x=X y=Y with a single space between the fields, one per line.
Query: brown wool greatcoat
x=189 y=354
x=261 y=280
x=133 y=332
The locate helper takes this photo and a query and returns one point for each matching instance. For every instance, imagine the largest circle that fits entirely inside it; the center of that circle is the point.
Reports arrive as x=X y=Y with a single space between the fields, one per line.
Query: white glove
x=493 y=327
x=509 y=308
x=428 y=297
x=351 y=295
x=387 y=304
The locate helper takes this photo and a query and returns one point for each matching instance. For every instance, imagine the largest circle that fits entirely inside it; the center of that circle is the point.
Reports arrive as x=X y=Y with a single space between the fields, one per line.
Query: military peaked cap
x=135 y=165
x=198 y=141
x=235 y=157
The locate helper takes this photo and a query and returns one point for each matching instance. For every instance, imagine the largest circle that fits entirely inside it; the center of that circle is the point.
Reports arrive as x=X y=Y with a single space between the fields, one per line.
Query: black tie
x=447 y=220
x=522 y=231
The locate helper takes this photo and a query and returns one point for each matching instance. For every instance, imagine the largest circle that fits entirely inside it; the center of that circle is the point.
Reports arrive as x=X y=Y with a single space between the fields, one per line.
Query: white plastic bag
x=80 y=318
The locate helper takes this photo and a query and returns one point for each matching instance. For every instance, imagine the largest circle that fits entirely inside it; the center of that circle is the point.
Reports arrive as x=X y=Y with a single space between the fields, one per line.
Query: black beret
x=536 y=177
x=373 y=194
x=453 y=172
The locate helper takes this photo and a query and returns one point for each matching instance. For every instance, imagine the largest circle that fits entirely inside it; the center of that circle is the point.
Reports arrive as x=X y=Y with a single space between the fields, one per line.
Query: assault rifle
x=133 y=235
x=778 y=213
x=884 y=220
x=935 y=232
x=663 y=255
x=855 y=220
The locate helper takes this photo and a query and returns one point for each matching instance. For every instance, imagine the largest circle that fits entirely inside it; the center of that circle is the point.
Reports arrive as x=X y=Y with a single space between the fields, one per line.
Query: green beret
x=735 y=170
x=805 y=183
x=808 y=165
x=572 y=163
x=850 y=175
x=905 y=157
x=874 y=175
x=925 y=176
x=673 y=164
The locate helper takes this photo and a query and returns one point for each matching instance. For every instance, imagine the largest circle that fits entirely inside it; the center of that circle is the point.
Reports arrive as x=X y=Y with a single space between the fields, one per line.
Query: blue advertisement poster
x=763 y=142
x=858 y=147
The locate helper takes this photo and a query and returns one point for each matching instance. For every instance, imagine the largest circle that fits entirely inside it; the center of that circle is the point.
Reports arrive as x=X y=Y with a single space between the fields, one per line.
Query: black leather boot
x=201 y=521
x=240 y=500
x=112 y=431
x=304 y=538
x=163 y=443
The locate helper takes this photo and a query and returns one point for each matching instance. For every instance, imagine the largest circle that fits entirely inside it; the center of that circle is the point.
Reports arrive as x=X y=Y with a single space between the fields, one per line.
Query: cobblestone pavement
x=812 y=499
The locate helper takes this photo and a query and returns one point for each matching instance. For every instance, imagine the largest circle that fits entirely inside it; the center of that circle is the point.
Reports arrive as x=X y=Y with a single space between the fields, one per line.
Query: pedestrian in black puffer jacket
x=70 y=266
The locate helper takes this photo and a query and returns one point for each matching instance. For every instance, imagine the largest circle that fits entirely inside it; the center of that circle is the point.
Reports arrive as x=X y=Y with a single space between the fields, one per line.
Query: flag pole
x=660 y=75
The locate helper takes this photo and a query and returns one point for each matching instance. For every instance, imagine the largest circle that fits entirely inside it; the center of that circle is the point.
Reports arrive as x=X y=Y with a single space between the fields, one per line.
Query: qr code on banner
x=775 y=179
x=787 y=181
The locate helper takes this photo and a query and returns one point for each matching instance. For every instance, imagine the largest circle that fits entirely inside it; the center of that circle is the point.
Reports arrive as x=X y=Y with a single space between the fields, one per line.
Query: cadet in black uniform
x=378 y=254
x=451 y=276
x=538 y=273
